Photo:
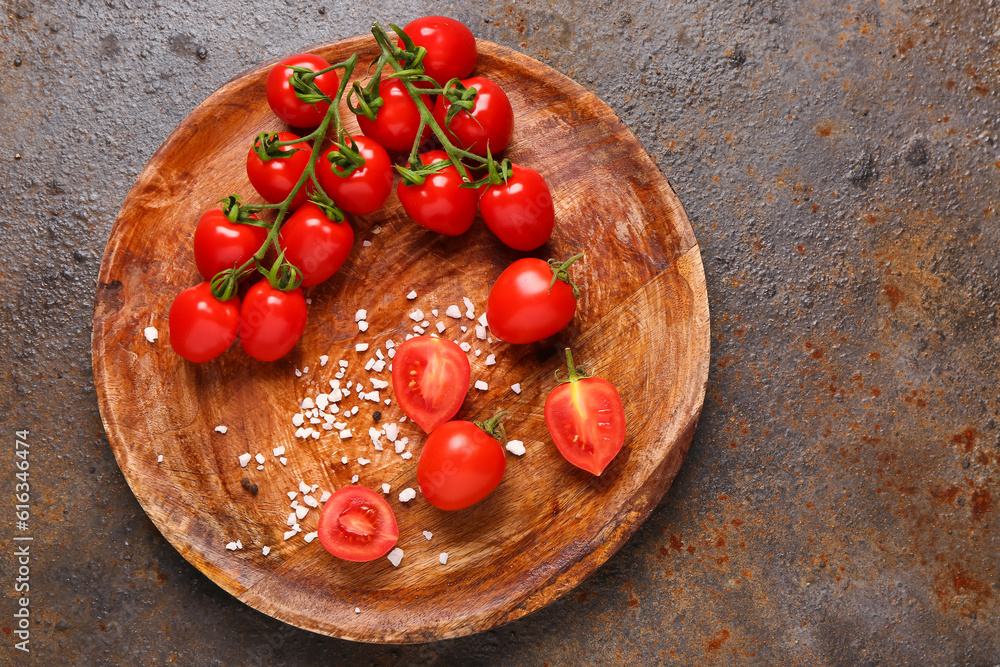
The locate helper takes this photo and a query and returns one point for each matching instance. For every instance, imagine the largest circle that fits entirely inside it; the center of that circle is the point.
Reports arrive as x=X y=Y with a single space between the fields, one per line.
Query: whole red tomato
x=274 y=179
x=220 y=244
x=490 y=123
x=451 y=47
x=397 y=120
x=357 y=524
x=200 y=326
x=283 y=100
x=586 y=419
x=440 y=203
x=271 y=321
x=524 y=304
x=519 y=211
x=315 y=244
x=430 y=378
x=366 y=188
x=460 y=465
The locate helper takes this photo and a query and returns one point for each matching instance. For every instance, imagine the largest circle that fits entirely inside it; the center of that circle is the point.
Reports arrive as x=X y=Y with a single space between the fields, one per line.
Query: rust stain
x=967 y=439
x=947 y=495
x=894 y=295
x=716 y=642
x=981 y=502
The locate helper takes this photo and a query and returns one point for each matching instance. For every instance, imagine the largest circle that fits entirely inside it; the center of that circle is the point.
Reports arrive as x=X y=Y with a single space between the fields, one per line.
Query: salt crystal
x=454 y=312
x=221 y=429
x=406 y=495
x=395 y=556
x=516 y=387
x=151 y=334
x=481 y=386
x=516 y=447
x=361 y=315
x=244 y=459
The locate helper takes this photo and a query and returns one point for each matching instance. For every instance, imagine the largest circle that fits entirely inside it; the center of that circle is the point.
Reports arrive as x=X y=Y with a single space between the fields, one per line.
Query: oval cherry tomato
x=315 y=244
x=357 y=524
x=430 y=378
x=491 y=121
x=281 y=96
x=396 y=121
x=366 y=188
x=451 y=47
x=520 y=211
x=220 y=244
x=271 y=321
x=274 y=179
x=522 y=309
x=459 y=465
x=200 y=326
x=439 y=203
x=586 y=419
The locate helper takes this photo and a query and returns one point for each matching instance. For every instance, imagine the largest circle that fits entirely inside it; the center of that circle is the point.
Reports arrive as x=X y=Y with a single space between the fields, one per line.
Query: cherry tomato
x=271 y=321
x=430 y=378
x=586 y=420
x=357 y=524
x=451 y=47
x=365 y=189
x=519 y=211
x=522 y=309
x=315 y=244
x=274 y=179
x=459 y=465
x=200 y=326
x=491 y=121
x=396 y=121
x=281 y=96
x=439 y=203
x=220 y=244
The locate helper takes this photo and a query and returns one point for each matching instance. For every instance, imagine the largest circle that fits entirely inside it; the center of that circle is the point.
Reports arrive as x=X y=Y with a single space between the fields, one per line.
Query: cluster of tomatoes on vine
x=312 y=180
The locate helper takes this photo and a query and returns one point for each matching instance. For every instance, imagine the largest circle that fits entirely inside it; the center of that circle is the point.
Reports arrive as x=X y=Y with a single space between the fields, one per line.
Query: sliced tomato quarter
x=357 y=524
x=430 y=378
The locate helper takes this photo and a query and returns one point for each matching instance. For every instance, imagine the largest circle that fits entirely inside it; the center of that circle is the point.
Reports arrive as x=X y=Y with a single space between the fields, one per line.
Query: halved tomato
x=357 y=524
x=430 y=377
x=586 y=419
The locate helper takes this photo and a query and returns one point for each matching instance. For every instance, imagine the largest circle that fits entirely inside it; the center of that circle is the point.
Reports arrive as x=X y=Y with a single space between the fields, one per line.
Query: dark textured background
x=840 y=166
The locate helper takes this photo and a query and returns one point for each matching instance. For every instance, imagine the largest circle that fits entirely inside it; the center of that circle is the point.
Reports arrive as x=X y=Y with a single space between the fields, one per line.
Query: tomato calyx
x=496 y=172
x=347 y=156
x=417 y=172
x=460 y=97
x=303 y=83
x=412 y=56
x=327 y=205
x=493 y=427
x=242 y=214
x=560 y=271
x=268 y=147
x=575 y=372
x=283 y=275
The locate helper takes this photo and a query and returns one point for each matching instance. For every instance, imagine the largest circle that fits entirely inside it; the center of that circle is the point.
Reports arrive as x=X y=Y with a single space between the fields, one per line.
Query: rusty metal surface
x=840 y=166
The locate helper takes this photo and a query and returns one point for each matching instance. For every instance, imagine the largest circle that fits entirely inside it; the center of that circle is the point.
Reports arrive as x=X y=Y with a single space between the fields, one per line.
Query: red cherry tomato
x=586 y=420
x=430 y=378
x=315 y=244
x=396 y=121
x=274 y=179
x=200 y=326
x=491 y=121
x=439 y=203
x=357 y=524
x=220 y=244
x=271 y=321
x=281 y=96
x=459 y=465
x=451 y=47
x=519 y=211
x=522 y=309
x=365 y=189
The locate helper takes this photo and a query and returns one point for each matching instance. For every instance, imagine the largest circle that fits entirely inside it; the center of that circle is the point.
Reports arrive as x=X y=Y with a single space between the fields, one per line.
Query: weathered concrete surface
x=840 y=166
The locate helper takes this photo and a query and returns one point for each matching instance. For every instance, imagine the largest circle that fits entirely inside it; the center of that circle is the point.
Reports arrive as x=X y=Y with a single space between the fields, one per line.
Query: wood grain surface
x=642 y=323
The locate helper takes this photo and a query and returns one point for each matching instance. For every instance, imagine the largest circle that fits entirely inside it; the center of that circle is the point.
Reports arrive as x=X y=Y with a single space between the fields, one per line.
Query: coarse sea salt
x=362 y=326
x=443 y=558
x=361 y=315
x=412 y=295
x=303 y=487
x=481 y=386
x=406 y=495
x=278 y=451
x=453 y=311
x=221 y=429
x=354 y=480
x=265 y=550
x=395 y=556
x=151 y=334
x=480 y=332
x=465 y=346
x=245 y=459
x=259 y=458
x=516 y=387
x=361 y=347
x=309 y=537
x=490 y=359
x=428 y=534
x=385 y=488
x=323 y=359
x=482 y=319
x=325 y=497
x=159 y=459
x=417 y=315
x=516 y=447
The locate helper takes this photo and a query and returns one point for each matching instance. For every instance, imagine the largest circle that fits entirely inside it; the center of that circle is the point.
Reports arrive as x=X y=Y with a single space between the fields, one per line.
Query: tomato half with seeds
x=440 y=204
x=397 y=120
x=221 y=244
x=586 y=419
x=315 y=244
x=519 y=210
x=274 y=179
x=357 y=524
x=200 y=326
x=366 y=188
x=489 y=123
x=430 y=378
x=451 y=46
x=525 y=305
x=282 y=98
x=460 y=464
x=271 y=321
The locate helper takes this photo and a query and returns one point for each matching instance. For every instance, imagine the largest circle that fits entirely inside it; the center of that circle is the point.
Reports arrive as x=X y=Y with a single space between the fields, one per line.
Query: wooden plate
x=642 y=323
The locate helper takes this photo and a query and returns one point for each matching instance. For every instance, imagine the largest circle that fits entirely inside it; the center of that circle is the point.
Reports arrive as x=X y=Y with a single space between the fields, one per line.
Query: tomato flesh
x=430 y=378
x=586 y=420
x=459 y=465
x=357 y=524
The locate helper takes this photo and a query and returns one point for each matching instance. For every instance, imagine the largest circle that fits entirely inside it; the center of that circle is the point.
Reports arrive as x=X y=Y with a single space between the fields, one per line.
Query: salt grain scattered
x=363 y=462
x=428 y=534
x=345 y=434
x=301 y=511
x=480 y=332
x=344 y=364
x=221 y=429
x=289 y=534
x=395 y=556
x=490 y=359
x=323 y=359
x=481 y=386
x=417 y=315
x=406 y=495
x=244 y=459
x=231 y=546
x=259 y=457
x=465 y=346
x=284 y=461
x=309 y=537
x=159 y=459
x=265 y=550
x=516 y=387
x=361 y=315
x=354 y=480
x=278 y=451
x=385 y=488
x=325 y=497
x=310 y=501
x=412 y=295
x=151 y=334
x=516 y=447
x=307 y=404
x=440 y=327
x=362 y=326
x=344 y=460
x=406 y=456
x=454 y=312
x=443 y=558
x=482 y=319
x=291 y=495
